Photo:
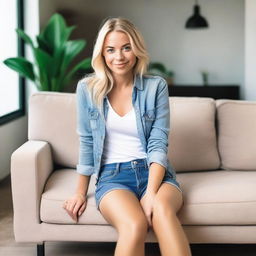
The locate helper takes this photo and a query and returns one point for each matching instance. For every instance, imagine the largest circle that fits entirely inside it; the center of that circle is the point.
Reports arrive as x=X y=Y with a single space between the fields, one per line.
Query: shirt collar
x=138 y=82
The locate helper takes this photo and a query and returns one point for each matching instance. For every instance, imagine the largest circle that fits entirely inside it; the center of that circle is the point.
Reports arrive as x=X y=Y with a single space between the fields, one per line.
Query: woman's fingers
x=74 y=207
x=71 y=205
x=81 y=210
x=70 y=208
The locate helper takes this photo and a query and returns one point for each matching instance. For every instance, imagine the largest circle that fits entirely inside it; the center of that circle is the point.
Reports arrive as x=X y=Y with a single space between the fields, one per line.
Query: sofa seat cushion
x=220 y=197
x=60 y=186
x=211 y=198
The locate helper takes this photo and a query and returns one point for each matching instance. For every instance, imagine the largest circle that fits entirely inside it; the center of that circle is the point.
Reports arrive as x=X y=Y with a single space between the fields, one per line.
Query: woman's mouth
x=121 y=64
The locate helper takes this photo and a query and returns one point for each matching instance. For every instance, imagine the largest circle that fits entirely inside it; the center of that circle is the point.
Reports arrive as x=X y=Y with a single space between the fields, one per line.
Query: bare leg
x=122 y=209
x=166 y=225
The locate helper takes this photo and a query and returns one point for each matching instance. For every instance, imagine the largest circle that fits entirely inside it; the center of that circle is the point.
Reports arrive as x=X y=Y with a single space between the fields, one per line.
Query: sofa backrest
x=192 y=140
x=52 y=118
x=237 y=134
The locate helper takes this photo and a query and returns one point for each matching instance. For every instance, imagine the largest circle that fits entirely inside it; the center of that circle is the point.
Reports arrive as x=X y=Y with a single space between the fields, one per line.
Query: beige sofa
x=212 y=146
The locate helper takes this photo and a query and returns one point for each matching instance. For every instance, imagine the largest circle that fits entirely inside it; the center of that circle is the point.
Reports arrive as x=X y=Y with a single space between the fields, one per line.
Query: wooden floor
x=8 y=246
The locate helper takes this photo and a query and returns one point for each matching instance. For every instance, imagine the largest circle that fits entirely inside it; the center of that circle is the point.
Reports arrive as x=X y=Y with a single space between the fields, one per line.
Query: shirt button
x=135 y=162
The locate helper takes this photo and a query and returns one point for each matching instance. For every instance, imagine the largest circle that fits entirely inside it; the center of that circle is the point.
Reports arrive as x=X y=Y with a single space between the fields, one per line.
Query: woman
x=123 y=123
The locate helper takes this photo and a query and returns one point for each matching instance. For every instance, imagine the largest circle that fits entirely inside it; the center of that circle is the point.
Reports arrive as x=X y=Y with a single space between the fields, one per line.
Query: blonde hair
x=100 y=83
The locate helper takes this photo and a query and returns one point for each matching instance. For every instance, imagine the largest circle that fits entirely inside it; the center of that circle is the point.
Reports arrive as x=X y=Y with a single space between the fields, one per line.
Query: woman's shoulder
x=86 y=80
x=82 y=88
x=83 y=83
x=154 y=81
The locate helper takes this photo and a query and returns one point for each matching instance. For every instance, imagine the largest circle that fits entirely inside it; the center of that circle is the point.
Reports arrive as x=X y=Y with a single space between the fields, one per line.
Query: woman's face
x=118 y=53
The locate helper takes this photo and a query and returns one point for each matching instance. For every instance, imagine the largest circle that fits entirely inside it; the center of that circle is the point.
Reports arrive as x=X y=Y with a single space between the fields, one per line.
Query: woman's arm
x=76 y=204
x=85 y=165
x=83 y=184
x=157 y=144
x=157 y=148
x=156 y=174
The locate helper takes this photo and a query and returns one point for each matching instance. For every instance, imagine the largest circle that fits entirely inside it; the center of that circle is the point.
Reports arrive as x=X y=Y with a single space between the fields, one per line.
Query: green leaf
x=55 y=31
x=170 y=73
x=45 y=67
x=44 y=61
x=25 y=37
x=53 y=54
x=72 y=49
x=55 y=84
x=84 y=64
x=68 y=32
x=44 y=82
x=58 y=61
x=22 y=66
x=44 y=45
x=158 y=66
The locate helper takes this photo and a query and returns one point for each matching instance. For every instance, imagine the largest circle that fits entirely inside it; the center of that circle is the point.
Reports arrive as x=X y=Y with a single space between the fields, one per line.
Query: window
x=12 y=86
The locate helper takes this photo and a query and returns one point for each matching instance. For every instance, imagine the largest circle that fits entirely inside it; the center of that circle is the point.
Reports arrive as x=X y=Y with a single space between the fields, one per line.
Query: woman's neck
x=123 y=81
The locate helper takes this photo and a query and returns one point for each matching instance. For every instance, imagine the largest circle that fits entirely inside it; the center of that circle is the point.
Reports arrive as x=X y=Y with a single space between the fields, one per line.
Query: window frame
x=21 y=53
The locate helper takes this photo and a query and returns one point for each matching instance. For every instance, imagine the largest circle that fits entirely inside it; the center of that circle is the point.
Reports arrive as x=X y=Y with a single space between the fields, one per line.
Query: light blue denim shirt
x=150 y=99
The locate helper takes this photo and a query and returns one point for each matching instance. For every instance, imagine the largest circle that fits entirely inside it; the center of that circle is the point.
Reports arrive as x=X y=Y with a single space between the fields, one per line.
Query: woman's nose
x=119 y=55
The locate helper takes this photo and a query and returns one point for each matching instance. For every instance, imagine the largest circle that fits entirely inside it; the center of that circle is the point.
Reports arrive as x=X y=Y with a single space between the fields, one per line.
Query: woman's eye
x=110 y=50
x=127 y=48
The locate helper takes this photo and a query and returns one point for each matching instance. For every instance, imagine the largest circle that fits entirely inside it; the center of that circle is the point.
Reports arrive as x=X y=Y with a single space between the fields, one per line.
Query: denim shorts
x=132 y=176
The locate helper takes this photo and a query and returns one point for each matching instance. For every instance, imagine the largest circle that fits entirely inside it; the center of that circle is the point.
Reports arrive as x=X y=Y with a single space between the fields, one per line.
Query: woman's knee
x=129 y=220
x=168 y=201
x=163 y=209
x=134 y=228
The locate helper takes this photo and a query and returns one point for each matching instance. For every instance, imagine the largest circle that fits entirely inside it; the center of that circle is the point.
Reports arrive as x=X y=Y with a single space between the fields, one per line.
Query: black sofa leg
x=40 y=249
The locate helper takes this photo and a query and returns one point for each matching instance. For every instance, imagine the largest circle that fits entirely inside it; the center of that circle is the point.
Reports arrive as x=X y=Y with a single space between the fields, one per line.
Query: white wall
x=14 y=133
x=219 y=49
x=250 y=50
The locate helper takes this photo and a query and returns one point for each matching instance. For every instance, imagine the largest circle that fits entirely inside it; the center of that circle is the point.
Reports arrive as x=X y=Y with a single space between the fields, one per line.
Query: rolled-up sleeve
x=85 y=164
x=157 y=146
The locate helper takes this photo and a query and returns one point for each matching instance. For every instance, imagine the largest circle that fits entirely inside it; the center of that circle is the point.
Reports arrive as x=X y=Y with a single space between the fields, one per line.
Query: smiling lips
x=121 y=64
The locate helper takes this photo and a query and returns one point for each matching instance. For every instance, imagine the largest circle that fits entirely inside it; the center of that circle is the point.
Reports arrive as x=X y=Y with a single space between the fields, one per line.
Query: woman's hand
x=147 y=203
x=75 y=206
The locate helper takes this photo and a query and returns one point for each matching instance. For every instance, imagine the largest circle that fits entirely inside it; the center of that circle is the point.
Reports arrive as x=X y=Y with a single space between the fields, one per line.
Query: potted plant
x=157 y=68
x=53 y=55
x=205 y=76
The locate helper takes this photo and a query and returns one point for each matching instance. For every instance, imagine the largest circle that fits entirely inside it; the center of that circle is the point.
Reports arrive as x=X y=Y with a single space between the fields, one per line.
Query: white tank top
x=122 y=142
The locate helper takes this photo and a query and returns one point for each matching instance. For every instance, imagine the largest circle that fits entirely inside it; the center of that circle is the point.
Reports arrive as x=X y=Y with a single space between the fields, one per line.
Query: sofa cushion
x=220 y=197
x=52 y=118
x=60 y=186
x=192 y=139
x=211 y=198
x=237 y=134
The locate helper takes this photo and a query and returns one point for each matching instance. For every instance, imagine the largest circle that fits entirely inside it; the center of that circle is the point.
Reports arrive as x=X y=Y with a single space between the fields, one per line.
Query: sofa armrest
x=31 y=165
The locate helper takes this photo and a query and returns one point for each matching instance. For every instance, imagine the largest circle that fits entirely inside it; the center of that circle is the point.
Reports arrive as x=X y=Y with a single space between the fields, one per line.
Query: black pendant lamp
x=196 y=21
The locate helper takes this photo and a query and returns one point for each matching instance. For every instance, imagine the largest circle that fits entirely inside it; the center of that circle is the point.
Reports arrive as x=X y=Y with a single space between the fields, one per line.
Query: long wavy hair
x=101 y=82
